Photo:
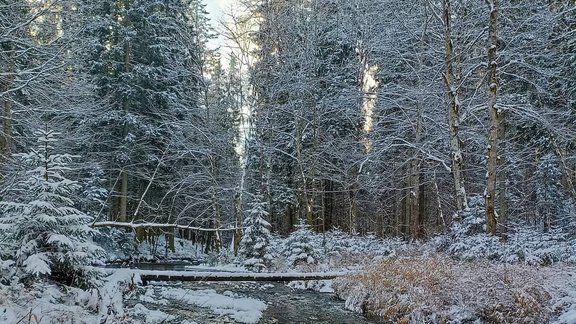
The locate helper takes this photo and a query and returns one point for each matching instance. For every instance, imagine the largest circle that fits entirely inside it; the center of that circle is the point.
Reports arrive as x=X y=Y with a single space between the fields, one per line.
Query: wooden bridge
x=148 y=275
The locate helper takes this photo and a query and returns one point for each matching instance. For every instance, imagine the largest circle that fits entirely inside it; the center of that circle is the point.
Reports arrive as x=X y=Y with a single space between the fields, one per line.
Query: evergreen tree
x=299 y=248
x=254 y=246
x=146 y=63
x=48 y=237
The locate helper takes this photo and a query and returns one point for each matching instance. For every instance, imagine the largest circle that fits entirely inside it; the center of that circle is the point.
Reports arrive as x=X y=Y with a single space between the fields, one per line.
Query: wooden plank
x=147 y=276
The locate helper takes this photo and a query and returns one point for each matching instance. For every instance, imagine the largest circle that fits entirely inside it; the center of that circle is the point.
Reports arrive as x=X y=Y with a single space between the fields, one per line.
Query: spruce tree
x=254 y=246
x=146 y=62
x=46 y=235
x=299 y=248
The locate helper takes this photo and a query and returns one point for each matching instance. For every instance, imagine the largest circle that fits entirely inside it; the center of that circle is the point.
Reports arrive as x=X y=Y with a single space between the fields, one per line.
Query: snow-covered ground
x=391 y=277
x=44 y=304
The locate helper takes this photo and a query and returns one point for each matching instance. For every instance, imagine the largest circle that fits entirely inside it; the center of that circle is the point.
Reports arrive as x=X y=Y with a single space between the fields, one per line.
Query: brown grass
x=423 y=289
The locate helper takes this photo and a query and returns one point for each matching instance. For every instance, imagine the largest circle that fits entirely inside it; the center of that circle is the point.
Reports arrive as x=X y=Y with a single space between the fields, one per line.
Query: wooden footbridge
x=152 y=275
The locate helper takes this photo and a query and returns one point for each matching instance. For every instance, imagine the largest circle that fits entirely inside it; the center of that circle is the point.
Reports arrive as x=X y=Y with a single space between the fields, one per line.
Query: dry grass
x=438 y=289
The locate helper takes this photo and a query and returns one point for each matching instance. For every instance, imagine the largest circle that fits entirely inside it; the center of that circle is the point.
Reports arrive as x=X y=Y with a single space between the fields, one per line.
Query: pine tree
x=48 y=237
x=254 y=246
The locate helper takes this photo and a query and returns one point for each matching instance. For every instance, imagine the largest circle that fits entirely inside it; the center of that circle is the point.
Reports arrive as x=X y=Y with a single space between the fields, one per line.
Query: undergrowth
x=439 y=289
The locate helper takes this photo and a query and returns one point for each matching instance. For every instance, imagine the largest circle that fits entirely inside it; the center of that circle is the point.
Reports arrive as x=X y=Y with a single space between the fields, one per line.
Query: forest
x=374 y=130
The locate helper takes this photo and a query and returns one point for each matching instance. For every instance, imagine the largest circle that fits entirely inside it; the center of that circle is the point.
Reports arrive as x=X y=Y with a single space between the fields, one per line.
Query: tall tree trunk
x=238 y=221
x=215 y=170
x=414 y=187
x=440 y=215
x=502 y=186
x=353 y=203
x=495 y=118
x=6 y=133
x=453 y=111
x=302 y=182
x=123 y=199
x=119 y=207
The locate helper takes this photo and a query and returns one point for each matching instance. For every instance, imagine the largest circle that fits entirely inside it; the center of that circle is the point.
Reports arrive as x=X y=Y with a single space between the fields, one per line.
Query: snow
x=37 y=264
x=568 y=317
x=152 y=316
x=219 y=268
x=43 y=304
x=111 y=293
x=241 y=309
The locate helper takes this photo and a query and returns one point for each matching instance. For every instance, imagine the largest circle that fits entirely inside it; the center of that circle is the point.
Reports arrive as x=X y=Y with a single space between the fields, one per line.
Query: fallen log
x=161 y=226
x=147 y=275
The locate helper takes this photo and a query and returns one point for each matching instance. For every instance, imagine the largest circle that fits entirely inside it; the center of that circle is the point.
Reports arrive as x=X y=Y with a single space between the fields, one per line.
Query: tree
x=48 y=236
x=145 y=62
x=298 y=247
x=454 y=105
x=255 y=243
x=496 y=117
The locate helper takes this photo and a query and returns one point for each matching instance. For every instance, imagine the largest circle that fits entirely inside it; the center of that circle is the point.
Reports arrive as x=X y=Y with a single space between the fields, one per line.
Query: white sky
x=216 y=9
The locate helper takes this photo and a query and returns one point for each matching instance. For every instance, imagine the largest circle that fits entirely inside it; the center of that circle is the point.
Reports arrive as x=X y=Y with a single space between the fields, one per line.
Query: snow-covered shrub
x=6 y=270
x=47 y=236
x=299 y=247
x=254 y=246
x=467 y=238
x=535 y=247
x=332 y=249
x=467 y=241
x=338 y=242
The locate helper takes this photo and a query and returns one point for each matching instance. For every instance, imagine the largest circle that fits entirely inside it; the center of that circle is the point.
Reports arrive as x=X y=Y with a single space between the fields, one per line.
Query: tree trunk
x=495 y=119
x=6 y=134
x=415 y=217
x=238 y=221
x=123 y=199
x=453 y=111
x=123 y=206
x=502 y=186
x=215 y=172
x=353 y=202
x=440 y=214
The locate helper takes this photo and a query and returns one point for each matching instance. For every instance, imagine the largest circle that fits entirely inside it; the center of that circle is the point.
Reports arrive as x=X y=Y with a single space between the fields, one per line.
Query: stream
x=283 y=304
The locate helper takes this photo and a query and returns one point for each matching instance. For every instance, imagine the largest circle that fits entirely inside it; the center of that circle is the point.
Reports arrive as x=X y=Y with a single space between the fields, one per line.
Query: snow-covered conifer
x=254 y=246
x=47 y=236
x=299 y=248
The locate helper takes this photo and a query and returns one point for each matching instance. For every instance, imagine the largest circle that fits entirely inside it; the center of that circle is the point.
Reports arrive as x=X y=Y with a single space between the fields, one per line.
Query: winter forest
x=415 y=159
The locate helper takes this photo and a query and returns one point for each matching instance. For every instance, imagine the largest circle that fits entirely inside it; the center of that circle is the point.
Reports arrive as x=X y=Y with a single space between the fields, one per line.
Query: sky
x=217 y=7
